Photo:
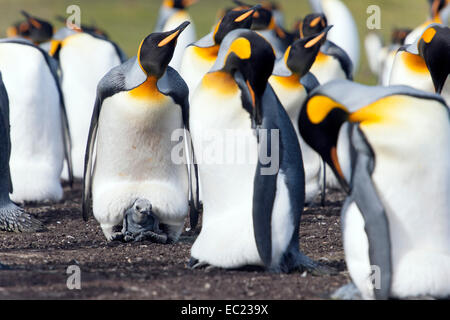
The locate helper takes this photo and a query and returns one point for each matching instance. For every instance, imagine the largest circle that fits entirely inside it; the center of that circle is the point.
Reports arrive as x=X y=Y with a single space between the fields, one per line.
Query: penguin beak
x=173 y=35
x=249 y=13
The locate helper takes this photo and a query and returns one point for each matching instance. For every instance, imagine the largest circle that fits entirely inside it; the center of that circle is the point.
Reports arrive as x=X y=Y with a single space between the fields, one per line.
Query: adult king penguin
x=84 y=59
x=138 y=107
x=34 y=29
x=425 y=64
x=390 y=146
x=171 y=15
x=331 y=62
x=345 y=31
x=256 y=223
x=200 y=56
x=39 y=131
x=12 y=218
x=292 y=82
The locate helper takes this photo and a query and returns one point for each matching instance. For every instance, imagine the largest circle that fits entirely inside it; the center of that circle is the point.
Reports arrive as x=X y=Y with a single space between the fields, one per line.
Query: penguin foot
x=304 y=263
x=14 y=219
x=196 y=264
x=347 y=292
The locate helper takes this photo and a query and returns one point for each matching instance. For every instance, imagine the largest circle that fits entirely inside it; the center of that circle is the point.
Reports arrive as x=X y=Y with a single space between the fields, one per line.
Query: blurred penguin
x=439 y=11
x=425 y=64
x=291 y=82
x=12 y=218
x=345 y=32
x=39 y=133
x=381 y=58
x=84 y=58
x=332 y=62
x=199 y=57
x=171 y=14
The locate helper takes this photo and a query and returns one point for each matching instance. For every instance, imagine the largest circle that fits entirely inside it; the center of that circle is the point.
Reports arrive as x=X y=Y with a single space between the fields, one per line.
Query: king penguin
x=256 y=223
x=34 y=29
x=390 y=147
x=12 y=218
x=40 y=134
x=84 y=59
x=291 y=81
x=139 y=105
x=171 y=15
x=425 y=64
x=200 y=56
x=345 y=32
x=332 y=62
x=438 y=14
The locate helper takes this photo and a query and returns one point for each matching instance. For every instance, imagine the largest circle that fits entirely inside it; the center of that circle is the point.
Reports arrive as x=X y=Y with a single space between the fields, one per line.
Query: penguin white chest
x=133 y=160
x=226 y=150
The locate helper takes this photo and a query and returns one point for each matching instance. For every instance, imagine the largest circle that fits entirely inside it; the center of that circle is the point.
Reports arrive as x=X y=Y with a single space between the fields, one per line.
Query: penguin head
x=249 y=58
x=263 y=18
x=37 y=30
x=234 y=19
x=312 y=24
x=433 y=46
x=319 y=122
x=300 y=56
x=178 y=4
x=156 y=50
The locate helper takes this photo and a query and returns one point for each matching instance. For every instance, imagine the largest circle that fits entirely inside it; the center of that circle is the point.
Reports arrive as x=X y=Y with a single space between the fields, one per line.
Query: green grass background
x=129 y=21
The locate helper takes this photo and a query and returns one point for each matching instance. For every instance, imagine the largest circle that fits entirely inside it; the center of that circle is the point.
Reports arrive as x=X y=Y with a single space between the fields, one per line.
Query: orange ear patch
x=429 y=35
x=241 y=47
x=319 y=107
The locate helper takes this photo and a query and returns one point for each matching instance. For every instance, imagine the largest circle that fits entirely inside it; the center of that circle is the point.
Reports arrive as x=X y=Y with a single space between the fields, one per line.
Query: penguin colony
x=287 y=94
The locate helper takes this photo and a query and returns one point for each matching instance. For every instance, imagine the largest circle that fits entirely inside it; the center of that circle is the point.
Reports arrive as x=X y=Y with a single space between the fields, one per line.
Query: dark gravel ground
x=38 y=262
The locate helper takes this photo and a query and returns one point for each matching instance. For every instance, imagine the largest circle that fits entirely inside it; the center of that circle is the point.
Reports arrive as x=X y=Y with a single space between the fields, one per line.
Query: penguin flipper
x=4 y=109
x=365 y=195
x=89 y=160
x=331 y=49
x=171 y=84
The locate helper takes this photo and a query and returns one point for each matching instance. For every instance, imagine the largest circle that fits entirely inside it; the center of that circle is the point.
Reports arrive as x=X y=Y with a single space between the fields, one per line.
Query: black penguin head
x=319 y=122
x=179 y=4
x=249 y=58
x=300 y=56
x=36 y=29
x=238 y=18
x=156 y=50
x=434 y=47
x=262 y=19
x=312 y=24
